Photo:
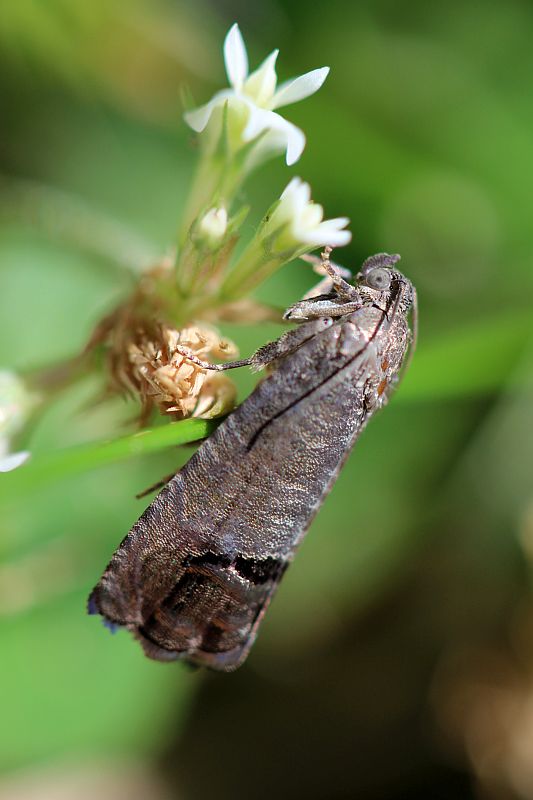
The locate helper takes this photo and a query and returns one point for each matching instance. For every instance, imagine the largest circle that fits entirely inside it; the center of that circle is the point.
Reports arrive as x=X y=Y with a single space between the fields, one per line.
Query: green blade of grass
x=50 y=467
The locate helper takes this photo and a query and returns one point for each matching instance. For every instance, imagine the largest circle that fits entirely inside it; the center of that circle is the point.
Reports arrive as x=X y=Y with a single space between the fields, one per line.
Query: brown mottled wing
x=194 y=575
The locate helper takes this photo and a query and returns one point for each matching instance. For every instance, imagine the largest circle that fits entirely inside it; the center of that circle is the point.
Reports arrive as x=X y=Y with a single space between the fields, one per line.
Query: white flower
x=301 y=222
x=252 y=99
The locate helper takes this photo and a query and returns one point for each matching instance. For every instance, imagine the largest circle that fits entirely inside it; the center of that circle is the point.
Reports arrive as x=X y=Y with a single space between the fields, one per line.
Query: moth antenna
x=414 y=337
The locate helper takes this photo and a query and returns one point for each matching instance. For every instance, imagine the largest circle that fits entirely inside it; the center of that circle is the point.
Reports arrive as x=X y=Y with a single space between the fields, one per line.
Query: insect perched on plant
x=194 y=576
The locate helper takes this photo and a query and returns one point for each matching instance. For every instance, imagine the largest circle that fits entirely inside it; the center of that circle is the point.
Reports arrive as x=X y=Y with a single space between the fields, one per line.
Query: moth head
x=377 y=271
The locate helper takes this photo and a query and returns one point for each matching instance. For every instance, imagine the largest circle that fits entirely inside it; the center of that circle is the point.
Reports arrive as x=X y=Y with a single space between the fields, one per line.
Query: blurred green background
x=397 y=658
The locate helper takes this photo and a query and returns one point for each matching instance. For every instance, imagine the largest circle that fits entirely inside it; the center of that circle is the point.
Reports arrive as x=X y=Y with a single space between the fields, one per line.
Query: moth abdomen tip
x=111 y=626
x=93 y=610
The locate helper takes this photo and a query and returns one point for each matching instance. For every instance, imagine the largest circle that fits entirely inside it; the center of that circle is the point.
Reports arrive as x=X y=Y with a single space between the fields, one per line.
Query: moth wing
x=194 y=576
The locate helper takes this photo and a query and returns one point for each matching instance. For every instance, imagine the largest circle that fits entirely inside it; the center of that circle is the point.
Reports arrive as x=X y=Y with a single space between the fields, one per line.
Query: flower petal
x=295 y=143
x=261 y=84
x=197 y=118
x=337 y=222
x=13 y=460
x=291 y=138
x=299 y=189
x=296 y=196
x=312 y=215
x=299 y=88
x=235 y=57
x=329 y=233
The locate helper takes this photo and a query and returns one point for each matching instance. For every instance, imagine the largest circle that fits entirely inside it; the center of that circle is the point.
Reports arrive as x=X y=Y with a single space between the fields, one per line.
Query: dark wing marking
x=213 y=610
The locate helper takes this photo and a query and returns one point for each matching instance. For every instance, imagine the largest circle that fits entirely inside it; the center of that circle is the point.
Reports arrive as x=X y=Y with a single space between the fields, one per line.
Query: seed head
x=153 y=368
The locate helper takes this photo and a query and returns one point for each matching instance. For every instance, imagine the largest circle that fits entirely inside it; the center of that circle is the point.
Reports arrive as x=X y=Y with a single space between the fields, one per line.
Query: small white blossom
x=16 y=404
x=253 y=97
x=301 y=222
x=213 y=225
x=11 y=461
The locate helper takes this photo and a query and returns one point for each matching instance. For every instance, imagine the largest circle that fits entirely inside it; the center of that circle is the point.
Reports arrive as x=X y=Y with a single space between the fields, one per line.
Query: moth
x=194 y=576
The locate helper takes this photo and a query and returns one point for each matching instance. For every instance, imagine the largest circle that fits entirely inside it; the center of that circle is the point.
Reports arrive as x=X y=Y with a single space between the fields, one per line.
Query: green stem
x=252 y=268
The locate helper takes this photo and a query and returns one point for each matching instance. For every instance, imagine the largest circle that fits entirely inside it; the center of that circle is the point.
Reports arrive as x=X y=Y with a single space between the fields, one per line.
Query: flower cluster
x=151 y=339
x=239 y=129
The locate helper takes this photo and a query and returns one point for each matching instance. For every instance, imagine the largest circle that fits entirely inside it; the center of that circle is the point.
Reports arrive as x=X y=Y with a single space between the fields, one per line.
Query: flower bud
x=212 y=227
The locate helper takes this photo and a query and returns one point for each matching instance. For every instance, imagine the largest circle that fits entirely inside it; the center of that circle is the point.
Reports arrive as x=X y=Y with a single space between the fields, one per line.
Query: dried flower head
x=153 y=367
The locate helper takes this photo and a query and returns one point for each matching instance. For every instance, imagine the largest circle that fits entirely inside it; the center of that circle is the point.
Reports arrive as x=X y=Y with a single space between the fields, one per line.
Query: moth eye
x=379 y=279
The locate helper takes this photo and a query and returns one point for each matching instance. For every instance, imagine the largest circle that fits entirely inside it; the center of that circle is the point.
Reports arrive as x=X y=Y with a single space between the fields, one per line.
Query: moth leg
x=325 y=286
x=189 y=355
x=288 y=343
x=344 y=289
x=319 y=268
x=333 y=297
x=155 y=486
